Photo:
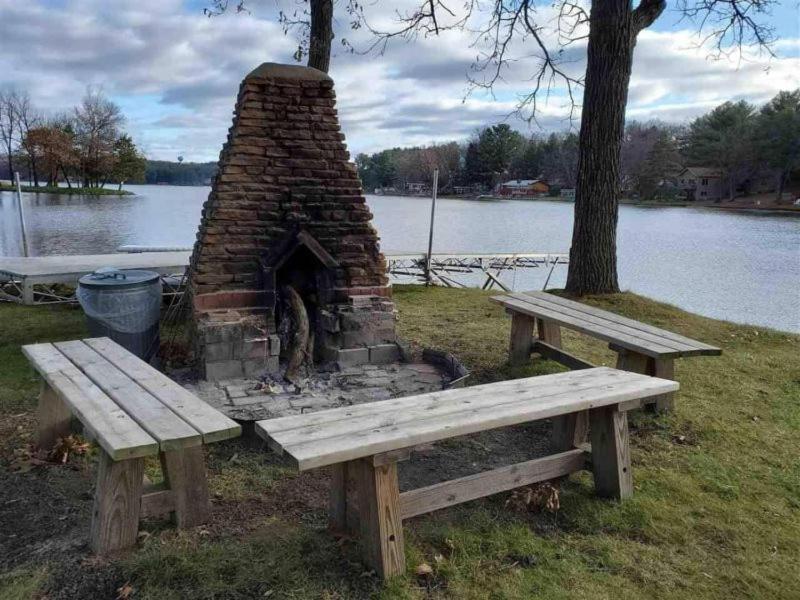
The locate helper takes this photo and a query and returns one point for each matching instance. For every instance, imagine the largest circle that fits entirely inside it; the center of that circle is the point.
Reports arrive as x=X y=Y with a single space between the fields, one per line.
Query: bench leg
x=549 y=332
x=115 y=516
x=54 y=417
x=343 y=503
x=569 y=431
x=379 y=516
x=185 y=474
x=611 y=455
x=519 y=350
x=664 y=368
x=655 y=367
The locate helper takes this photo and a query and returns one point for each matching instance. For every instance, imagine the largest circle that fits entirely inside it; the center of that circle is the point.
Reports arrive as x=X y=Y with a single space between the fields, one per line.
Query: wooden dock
x=40 y=279
x=19 y=275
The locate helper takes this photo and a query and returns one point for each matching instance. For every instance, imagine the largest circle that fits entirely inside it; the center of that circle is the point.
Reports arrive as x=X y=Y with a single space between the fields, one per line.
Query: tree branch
x=646 y=13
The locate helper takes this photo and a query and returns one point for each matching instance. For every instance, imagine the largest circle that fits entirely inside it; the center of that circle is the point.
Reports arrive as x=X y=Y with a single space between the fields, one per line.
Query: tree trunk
x=593 y=255
x=784 y=175
x=321 y=36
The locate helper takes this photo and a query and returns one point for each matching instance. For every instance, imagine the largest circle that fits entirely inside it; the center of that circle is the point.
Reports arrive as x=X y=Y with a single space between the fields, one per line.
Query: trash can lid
x=111 y=277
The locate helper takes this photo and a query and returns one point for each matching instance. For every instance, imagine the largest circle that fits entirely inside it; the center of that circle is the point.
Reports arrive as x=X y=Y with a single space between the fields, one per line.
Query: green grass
x=715 y=514
x=49 y=189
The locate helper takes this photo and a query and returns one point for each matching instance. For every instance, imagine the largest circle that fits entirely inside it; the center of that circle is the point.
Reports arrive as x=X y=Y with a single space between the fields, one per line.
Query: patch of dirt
x=75 y=577
x=44 y=514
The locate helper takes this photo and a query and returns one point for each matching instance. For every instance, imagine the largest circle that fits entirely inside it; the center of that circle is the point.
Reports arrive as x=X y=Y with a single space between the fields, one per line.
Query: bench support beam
x=54 y=417
x=634 y=362
x=519 y=349
x=379 y=515
x=117 y=498
x=448 y=493
x=611 y=454
x=185 y=475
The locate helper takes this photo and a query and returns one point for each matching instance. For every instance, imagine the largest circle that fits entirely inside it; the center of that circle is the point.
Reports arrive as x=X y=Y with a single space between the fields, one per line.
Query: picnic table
x=132 y=411
x=640 y=348
x=362 y=445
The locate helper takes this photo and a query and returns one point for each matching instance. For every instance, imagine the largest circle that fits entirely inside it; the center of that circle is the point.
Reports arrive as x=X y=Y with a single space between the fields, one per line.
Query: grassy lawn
x=715 y=514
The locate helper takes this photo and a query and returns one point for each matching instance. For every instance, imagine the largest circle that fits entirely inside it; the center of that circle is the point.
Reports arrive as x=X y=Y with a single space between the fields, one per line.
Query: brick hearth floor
x=253 y=399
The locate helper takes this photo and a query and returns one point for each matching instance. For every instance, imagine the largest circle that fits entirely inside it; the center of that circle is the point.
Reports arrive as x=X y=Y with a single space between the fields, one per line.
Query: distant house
x=701 y=183
x=523 y=188
x=417 y=188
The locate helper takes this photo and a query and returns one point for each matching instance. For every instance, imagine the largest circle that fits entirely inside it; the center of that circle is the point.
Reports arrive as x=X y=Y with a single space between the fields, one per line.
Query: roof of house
x=703 y=171
x=519 y=183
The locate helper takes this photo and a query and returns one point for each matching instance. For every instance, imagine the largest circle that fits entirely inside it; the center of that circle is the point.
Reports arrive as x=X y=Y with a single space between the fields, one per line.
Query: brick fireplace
x=286 y=210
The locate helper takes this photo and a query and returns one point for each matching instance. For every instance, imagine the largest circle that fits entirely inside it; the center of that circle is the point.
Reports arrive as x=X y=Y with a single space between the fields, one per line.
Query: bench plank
x=434 y=404
x=493 y=405
x=212 y=424
x=606 y=325
x=119 y=435
x=614 y=317
x=160 y=422
x=631 y=341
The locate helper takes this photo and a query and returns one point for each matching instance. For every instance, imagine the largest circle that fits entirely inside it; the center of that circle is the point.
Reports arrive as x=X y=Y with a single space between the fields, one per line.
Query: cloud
x=176 y=73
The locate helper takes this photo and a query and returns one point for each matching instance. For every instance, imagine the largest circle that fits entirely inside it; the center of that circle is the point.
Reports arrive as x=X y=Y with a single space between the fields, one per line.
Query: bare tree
x=28 y=119
x=610 y=28
x=8 y=128
x=97 y=126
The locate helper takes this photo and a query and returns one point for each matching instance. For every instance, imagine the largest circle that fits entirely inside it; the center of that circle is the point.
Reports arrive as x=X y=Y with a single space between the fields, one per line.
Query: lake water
x=739 y=266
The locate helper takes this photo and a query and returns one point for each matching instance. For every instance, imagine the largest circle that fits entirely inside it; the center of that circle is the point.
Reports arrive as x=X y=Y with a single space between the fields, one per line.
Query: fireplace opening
x=302 y=285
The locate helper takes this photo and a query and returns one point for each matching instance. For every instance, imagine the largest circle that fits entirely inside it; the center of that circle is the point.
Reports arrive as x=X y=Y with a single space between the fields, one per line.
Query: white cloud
x=177 y=73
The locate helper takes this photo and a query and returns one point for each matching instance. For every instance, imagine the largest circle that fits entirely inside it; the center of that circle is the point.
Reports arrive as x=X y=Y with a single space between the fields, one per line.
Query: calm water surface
x=740 y=266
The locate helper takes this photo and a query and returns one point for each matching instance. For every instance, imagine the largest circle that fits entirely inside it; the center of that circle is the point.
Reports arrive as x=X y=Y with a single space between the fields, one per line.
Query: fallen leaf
x=125 y=592
x=424 y=570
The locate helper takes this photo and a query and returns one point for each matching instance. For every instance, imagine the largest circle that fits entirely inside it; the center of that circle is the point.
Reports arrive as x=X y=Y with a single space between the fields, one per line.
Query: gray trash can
x=123 y=305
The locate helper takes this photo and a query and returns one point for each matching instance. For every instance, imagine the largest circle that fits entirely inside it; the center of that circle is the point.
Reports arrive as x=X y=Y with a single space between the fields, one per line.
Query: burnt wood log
x=297 y=348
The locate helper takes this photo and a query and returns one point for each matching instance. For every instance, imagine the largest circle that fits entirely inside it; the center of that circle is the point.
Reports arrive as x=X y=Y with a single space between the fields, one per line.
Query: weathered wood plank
x=119 y=435
x=156 y=504
x=519 y=349
x=209 y=422
x=614 y=317
x=611 y=454
x=357 y=419
x=380 y=520
x=496 y=393
x=320 y=450
x=115 y=516
x=549 y=332
x=337 y=498
x=165 y=426
x=561 y=356
x=440 y=495
x=54 y=417
x=185 y=474
x=626 y=339
x=665 y=369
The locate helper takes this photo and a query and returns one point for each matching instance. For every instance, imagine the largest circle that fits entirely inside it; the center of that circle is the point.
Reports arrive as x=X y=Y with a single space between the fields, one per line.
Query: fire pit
x=287 y=282
x=287 y=263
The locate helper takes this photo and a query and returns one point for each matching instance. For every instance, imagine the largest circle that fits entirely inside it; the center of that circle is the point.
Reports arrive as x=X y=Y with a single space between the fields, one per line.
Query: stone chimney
x=286 y=208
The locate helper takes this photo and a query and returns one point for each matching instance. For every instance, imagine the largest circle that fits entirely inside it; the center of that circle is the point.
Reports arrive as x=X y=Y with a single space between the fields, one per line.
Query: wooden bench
x=640 y=348
x=363 y=443
x=132 y=411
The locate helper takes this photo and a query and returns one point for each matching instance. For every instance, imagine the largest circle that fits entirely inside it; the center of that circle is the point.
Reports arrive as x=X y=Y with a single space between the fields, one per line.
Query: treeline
x=744 y=143
x=179 y=173
x=86 y=147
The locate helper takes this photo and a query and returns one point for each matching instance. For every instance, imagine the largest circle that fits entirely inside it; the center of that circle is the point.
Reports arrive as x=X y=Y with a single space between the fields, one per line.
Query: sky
x=175 y=72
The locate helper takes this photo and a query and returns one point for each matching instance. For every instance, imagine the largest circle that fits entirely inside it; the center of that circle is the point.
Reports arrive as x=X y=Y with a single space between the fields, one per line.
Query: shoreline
x=74 y=191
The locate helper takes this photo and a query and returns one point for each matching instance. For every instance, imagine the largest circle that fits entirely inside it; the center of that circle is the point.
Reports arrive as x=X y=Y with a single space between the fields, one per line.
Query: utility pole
x=428 y=280
x=21 y=215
